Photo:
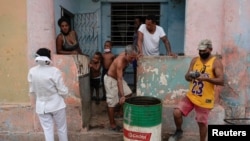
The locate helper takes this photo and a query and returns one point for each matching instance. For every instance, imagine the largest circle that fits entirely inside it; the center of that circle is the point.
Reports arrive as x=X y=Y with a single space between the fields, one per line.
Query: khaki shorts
x=112 y=90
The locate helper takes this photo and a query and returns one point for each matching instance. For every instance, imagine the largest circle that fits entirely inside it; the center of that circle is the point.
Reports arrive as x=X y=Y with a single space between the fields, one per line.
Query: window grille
x=122 y=20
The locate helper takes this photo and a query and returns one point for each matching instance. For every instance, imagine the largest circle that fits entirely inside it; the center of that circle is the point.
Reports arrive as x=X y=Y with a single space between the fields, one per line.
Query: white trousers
x=58 y=118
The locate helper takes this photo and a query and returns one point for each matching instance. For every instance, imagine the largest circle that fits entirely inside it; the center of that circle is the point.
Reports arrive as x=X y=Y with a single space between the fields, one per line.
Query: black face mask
x=204 y=56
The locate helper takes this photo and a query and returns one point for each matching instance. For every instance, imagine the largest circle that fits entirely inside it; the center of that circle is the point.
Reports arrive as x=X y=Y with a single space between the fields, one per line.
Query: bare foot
x=85 y=129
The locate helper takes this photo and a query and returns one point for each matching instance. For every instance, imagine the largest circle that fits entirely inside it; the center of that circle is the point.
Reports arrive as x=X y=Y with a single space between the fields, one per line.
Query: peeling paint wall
x=236 y=52
x=162 y=77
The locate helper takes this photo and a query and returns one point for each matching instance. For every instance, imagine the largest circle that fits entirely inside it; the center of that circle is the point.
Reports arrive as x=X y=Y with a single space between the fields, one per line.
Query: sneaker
x=177 y=135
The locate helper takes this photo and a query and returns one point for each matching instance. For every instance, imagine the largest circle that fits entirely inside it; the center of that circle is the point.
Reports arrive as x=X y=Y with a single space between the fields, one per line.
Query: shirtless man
x=108 y=58
x=117 y=89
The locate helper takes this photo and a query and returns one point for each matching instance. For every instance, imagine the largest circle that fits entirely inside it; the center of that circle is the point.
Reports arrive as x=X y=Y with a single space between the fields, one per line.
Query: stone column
x=41 y=33
x=41 y=26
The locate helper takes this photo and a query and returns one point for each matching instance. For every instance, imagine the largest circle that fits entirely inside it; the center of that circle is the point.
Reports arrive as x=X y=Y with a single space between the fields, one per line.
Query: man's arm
x=218 y=72
x=119 y=71
x=139 y=42
x=167 y=46
x=187 y=76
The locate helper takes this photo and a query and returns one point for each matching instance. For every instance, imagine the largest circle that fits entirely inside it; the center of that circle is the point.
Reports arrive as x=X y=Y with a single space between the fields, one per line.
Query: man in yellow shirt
x=204 y=73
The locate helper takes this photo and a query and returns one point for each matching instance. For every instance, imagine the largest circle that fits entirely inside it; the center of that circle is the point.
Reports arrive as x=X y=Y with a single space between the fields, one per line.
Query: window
x=122 y=19
x=69 y=15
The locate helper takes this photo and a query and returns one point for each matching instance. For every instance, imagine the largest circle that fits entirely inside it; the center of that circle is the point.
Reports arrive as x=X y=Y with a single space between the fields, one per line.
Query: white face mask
x=42 y=60
x=107 y=50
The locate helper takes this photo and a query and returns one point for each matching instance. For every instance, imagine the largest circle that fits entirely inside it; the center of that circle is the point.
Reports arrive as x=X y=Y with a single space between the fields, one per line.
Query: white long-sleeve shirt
x=46 y=84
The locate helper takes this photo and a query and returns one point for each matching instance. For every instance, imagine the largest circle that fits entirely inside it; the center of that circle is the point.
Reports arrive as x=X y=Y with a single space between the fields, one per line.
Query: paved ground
x=100 y=126
x=99 y=130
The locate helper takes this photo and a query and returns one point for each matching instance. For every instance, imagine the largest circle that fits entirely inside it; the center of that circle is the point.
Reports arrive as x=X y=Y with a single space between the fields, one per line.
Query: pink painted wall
x=204 y=19
x=41 y=33
x=227 y=24
x=236 y=53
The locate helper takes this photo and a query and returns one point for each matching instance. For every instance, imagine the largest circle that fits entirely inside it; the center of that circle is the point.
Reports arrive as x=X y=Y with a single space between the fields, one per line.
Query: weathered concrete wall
x=163 y=77
x=236 y=53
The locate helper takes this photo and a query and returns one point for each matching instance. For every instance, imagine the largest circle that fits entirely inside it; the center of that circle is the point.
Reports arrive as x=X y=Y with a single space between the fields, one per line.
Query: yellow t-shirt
x=201 y=93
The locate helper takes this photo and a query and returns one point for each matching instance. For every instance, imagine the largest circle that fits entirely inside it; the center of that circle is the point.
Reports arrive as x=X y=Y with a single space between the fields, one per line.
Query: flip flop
x=117 y=129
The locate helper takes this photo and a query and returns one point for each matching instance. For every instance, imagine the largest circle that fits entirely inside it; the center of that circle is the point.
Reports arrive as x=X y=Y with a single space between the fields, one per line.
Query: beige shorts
x=112 y=90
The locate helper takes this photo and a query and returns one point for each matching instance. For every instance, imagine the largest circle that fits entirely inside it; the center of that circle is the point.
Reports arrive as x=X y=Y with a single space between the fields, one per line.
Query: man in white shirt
x=149 y=36
x=47 y=92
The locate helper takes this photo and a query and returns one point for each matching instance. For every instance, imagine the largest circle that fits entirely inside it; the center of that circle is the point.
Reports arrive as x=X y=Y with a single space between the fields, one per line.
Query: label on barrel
x=136 y=135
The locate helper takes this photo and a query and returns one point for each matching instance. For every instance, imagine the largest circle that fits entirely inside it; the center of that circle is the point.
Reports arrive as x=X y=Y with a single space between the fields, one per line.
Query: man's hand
x=122 y=100
x=202 y=77
x=140 y=54
x=172 y=54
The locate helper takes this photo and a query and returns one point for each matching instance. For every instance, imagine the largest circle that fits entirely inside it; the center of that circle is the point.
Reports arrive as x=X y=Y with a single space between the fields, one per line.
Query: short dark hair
x=152 y=18
x=108 y=41
x=98 y=53
x=44 y=52
x=141 y=18
x=63 y=19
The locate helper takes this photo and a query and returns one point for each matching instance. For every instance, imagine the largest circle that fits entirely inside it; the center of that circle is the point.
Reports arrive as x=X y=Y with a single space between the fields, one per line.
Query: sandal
x=117 y=129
